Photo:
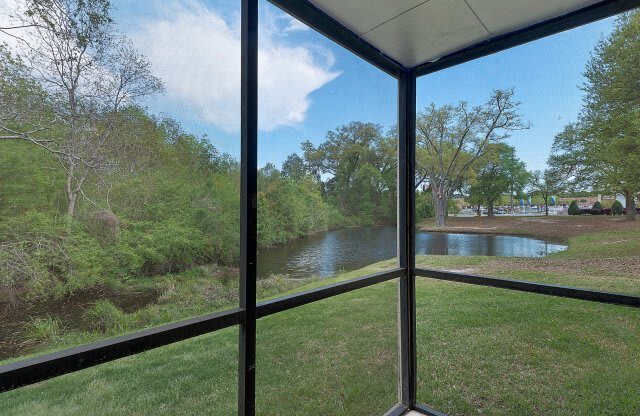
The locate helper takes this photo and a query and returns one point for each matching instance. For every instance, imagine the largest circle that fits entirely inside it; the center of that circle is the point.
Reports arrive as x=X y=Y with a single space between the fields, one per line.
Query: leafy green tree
x=360 y=163
x=452 y=138
x=603 y=148
x=424 y=206
x=294 y=167
x=545 y=184
x=516 y=172
x=492 y=179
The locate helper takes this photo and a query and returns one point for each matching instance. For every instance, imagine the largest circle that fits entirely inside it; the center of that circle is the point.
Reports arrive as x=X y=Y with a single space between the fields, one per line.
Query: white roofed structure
x=420 y=34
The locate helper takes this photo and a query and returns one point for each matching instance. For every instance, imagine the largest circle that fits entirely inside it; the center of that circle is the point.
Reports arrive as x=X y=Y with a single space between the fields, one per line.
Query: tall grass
x=43 y=329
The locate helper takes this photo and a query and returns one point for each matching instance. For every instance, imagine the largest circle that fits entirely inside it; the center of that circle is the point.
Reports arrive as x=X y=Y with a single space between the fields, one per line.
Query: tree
x=516 y=172
x=89 y=73
x=360 y=163
x=603 y=148
x=545 y=184
x=294 y=167
x=492 y=179
x=451 y=139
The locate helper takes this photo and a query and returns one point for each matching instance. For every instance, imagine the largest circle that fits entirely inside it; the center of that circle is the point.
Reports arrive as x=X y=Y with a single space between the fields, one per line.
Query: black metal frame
x=248 y=207
x=37 y=369
x=34 y=370
x=407 y=236
x=534 y=287
x=318 y=20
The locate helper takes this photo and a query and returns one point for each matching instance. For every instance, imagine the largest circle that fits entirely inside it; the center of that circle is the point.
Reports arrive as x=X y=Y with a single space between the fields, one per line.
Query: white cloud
x=295 y=25
x=197 y=54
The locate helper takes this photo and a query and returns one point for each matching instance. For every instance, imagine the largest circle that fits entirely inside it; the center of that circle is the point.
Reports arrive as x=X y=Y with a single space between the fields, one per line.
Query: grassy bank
x=480 y=350
x=556 y=228
x=112 y=310
x=603 y=252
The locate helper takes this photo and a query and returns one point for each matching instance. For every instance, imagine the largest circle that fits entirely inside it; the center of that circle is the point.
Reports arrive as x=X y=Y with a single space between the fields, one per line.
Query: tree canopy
x=451 y=139
x=602 y=149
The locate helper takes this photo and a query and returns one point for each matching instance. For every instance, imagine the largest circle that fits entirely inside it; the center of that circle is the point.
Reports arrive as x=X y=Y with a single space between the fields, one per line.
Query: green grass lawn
x=480 y=351
x=334 y=357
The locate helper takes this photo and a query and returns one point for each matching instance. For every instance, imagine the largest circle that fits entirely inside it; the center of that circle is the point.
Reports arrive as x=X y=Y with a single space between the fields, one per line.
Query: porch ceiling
x=414 y=32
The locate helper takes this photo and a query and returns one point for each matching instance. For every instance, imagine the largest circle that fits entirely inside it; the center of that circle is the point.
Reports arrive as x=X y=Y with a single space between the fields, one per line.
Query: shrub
x=107 y=317
x=42 y=329
x=573 y=208
x=597 y=206
x=150 y=248
x=104 y=225
x=616 y=208
x=33 y=258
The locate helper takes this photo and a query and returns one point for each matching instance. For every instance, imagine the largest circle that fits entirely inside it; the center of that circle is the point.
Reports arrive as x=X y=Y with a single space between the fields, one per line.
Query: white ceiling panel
x=500 y=16
x=361 y=16
x=417 y=31
x=427 y=32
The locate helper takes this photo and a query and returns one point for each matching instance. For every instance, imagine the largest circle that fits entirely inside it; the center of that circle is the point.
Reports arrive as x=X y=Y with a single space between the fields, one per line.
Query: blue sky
x=310 y=85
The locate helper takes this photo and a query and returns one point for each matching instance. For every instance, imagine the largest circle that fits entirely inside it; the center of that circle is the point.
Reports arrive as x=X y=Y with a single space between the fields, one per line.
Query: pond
x=331 y=252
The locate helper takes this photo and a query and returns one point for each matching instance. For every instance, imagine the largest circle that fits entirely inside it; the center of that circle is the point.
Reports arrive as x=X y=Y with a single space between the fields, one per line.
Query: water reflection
x=483 y=245
x=348 y=249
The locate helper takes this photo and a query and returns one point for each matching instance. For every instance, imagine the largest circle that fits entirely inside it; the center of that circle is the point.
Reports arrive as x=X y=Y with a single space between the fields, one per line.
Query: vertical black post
x=406 y=235
x=248 y=207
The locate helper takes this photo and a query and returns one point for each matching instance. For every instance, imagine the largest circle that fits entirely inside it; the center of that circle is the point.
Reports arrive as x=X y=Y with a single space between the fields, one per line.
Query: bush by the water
x=617 y=208
x=42 y=329
x=107 y=317
x=597 y=205
x=573 y=208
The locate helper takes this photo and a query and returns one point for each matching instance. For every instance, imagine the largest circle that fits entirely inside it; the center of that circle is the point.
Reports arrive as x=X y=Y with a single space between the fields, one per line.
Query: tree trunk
x=511 y=203
x=631 y=206
x=478 y=212
x=546 y=206
x=68 y=190
x=490 y=209
x=440 y=203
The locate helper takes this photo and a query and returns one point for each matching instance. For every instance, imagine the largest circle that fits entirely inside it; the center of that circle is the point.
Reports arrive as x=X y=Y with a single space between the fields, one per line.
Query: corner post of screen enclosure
x=248 y=206
x=406 y=236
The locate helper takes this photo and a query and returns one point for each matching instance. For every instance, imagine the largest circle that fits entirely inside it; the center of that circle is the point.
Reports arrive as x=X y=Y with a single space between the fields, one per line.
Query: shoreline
x=554 y=229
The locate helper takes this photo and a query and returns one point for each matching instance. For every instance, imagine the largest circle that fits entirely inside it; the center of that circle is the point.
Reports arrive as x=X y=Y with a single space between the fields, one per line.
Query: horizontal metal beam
x=33 y=370
x=318 y=20
x=533 y=287
x=269 y=307
x=426 y=410
x=559 y=24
